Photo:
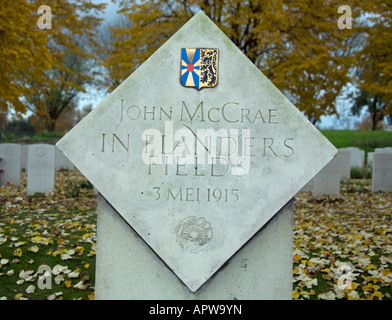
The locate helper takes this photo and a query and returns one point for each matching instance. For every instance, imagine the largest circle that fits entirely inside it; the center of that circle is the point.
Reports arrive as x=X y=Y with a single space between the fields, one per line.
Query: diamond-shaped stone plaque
x=197 y=172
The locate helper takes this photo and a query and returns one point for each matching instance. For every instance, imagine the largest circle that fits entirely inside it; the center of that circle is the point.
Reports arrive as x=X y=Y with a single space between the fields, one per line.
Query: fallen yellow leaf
x=385 y=272
x=36 y=239
x=296 y=257
x=55 y=253
x=18 y=296
x=18 y=252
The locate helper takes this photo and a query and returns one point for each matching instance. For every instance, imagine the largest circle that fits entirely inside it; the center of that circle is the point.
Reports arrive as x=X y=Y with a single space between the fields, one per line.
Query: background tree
x=23 y=48
x=53 y=65
x=374 y=64
x=375 y=107
x=70 y=117
x=366 y=123
x=59 y=90
x=296 y=43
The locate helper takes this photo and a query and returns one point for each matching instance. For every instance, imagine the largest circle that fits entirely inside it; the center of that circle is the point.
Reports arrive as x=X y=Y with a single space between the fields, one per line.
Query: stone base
x=126 y=268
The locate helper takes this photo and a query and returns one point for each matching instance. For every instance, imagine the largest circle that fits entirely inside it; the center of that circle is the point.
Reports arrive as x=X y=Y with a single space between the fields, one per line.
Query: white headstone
x=345 y=164
x=327 y=181
x=40 y=173
x=383 y=150
x=308 y=187
x=382 y=172
x=61 y=161
x=10 y=153
x=357 y=157
x=370 y=156
x=195 y=173
x=24 y=155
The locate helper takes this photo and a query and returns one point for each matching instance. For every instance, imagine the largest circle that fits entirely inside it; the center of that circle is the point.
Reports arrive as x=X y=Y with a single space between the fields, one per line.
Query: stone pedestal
x=128 y=269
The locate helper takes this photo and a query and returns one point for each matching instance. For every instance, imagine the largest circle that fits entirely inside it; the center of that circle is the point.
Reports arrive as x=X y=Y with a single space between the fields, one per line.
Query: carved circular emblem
x=194 y=234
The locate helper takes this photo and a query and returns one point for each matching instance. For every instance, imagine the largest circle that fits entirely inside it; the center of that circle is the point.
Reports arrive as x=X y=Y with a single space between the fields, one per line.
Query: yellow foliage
x=22 y=48
x=295 y=43
x=30 y=56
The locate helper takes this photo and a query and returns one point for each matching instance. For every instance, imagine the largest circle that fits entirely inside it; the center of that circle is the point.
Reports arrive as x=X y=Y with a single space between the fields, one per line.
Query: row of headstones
x=39 y=161
x=327 y=181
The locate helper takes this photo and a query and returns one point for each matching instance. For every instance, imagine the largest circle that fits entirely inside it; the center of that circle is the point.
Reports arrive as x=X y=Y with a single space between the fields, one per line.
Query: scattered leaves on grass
x=343 y=245
x=53 y=231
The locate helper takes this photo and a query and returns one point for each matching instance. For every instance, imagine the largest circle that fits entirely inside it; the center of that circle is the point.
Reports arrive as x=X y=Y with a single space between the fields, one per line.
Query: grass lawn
x=55 y=231
x=343 y=244
x=365 y=140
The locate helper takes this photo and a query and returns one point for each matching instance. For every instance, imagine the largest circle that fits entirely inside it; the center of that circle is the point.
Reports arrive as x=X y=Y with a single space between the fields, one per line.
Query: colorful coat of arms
x=199 y=68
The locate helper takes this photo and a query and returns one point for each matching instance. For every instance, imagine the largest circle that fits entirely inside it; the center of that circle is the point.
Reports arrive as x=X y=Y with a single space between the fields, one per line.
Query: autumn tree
x=23 y=48
x=59 y=90
x=374 y=64
x=375 y=106
x=52 y=65
x=296 y=43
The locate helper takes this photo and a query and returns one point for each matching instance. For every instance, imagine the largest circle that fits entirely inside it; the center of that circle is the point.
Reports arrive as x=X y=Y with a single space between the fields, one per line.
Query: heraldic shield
x=199 y=68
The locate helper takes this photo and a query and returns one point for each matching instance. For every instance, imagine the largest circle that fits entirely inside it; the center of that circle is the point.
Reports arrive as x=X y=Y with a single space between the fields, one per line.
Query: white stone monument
x=196 y=157
x=40 y=172
x=308 y=187
x=357 y=157
x=382 y=172
x=10 y=164
x=383 y=150
x=327 y=181
x=370 y=156
x=61 y=161
x=24 y=156
x=345 y=164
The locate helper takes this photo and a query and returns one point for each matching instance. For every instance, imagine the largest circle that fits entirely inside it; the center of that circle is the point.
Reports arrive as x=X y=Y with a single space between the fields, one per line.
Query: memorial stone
x=382 y=172
x=327 y=181
x=40 y=172
x=24 y=156
x=370 y=156
x=357 y=157
x=308 y=187
x=10 y=164
x=345 y=164
x=383 y=150
x=196 y=157
x=61 y=161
